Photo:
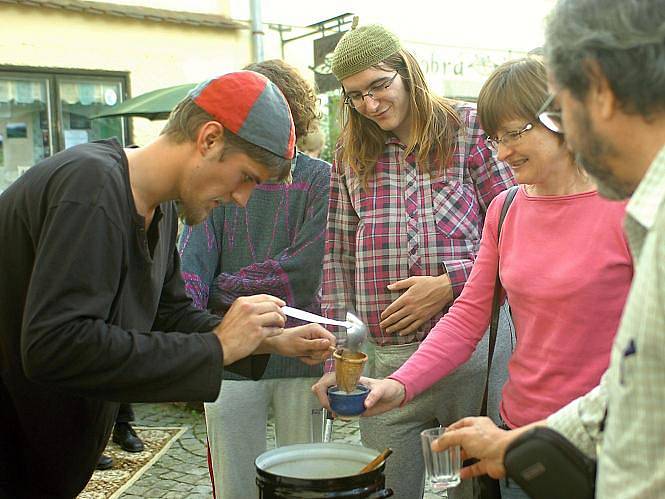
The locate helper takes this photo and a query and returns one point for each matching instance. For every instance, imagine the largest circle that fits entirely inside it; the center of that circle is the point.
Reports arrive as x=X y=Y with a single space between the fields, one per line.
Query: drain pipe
x=257 y=30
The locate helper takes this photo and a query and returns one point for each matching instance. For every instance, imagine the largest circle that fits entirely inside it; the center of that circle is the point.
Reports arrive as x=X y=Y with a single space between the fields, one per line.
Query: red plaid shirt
x=407 y=223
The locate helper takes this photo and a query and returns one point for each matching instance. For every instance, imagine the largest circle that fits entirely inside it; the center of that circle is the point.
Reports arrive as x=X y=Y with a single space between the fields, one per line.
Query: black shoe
x=125 y=436
x=105 y=462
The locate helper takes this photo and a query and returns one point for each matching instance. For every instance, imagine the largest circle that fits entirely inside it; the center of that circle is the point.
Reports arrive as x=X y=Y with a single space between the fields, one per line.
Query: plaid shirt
x=407 y=223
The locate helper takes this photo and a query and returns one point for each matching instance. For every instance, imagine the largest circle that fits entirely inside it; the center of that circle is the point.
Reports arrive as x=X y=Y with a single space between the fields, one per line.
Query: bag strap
x=496 y=305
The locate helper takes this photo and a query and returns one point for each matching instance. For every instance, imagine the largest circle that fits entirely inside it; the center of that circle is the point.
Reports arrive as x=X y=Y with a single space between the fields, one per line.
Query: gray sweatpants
x=236 y=424
x=453 y=397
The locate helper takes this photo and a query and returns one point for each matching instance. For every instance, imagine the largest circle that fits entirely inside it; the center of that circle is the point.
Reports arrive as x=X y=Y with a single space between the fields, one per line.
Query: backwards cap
x=252 y=107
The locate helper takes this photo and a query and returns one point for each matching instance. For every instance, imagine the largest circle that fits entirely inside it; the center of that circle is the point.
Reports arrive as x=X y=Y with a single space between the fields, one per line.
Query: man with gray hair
x=606 y=64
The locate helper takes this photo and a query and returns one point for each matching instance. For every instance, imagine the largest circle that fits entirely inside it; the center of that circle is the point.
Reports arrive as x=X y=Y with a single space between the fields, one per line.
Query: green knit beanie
x=361 y=48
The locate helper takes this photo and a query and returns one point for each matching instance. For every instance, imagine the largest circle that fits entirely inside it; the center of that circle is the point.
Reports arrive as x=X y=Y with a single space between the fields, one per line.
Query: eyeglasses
x=508 y=137
x=355 y=99
x=551 y=119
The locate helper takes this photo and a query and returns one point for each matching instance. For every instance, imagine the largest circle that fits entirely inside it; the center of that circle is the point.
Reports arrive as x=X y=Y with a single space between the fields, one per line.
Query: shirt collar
x=650 y=193
x=392 y=139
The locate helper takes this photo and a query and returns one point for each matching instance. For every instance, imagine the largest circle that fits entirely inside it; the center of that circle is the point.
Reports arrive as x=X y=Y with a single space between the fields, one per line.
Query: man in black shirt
x=93 y=309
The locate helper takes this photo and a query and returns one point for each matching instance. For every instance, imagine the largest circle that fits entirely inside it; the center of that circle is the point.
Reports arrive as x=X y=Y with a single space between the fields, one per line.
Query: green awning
x=155 y=105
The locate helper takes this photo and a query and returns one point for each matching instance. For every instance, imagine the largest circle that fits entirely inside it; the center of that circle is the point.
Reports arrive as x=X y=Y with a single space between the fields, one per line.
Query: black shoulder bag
x=486 y=486
x=548 y=466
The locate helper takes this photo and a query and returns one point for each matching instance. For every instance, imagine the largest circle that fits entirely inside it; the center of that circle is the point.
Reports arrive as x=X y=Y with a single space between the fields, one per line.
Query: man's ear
x=601 y=96
x=210 y=137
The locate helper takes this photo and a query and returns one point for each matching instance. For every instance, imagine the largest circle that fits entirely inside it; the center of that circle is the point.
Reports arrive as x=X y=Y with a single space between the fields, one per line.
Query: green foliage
x=330 y=125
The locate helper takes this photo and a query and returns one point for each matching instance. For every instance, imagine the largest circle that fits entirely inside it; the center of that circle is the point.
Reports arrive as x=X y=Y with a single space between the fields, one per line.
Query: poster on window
x=75 y=137
x=17 y=131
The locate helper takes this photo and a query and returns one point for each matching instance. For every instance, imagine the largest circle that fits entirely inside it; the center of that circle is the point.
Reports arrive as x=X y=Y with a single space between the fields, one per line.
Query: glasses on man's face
x=508 y=138
x=376 y=91
x=551 y=119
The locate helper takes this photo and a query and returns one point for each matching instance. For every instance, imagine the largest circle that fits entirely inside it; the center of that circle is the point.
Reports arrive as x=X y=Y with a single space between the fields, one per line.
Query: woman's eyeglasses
x=508 y=138
x=550 y=119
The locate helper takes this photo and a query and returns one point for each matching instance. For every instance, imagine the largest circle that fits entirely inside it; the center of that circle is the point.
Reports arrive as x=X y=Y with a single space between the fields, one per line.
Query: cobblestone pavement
x=182 y=472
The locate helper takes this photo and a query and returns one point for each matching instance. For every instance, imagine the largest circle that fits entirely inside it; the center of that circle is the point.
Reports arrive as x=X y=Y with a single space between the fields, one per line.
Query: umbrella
x=155 y=105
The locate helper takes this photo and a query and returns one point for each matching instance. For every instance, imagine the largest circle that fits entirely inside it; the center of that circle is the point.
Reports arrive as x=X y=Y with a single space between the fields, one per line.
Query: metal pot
x=318 y=470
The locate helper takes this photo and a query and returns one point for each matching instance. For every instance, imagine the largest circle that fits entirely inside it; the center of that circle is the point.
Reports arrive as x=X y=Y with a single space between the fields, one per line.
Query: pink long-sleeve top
x=566 y=269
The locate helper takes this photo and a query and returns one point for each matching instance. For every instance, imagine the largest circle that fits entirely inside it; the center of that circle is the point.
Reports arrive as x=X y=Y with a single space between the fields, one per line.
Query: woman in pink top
x=563 y=262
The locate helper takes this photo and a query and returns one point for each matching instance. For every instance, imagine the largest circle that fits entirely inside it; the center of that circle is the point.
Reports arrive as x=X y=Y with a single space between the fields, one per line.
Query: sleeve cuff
x=252 y=366
x=216 y=360
x=580 y=421
x=458 y=272
x=407 y=393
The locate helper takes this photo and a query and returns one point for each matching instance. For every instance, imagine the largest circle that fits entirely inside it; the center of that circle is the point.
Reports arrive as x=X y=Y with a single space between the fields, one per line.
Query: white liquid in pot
x=318 y=468
x=315 y=461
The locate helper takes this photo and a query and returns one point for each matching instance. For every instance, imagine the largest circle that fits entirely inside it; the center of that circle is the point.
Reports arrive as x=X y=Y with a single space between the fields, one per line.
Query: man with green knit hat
x=412 y=179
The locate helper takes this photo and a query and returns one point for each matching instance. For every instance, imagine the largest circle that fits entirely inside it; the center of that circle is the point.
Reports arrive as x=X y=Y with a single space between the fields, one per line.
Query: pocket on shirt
x=628 y=362
x=455 y=209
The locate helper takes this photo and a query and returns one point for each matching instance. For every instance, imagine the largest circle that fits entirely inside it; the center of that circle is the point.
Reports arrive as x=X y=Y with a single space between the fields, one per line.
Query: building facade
x=64 y=61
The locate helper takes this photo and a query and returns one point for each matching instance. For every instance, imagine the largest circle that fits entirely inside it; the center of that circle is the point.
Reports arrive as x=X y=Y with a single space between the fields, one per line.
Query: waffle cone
x=348 y=369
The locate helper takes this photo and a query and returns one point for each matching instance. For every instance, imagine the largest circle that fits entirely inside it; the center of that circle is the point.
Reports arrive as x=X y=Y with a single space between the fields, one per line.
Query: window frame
x=52 y=76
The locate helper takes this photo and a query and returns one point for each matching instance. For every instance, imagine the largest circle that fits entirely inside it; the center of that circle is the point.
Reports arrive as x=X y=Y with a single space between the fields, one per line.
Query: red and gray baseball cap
x=252 y=107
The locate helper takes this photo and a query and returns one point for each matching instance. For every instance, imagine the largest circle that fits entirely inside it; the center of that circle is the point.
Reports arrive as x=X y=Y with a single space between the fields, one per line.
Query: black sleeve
x=178 y=313
x=65 y=337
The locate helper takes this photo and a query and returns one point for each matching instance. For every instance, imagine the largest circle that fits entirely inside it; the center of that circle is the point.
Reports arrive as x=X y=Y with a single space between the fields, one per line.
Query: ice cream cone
x=348 y=369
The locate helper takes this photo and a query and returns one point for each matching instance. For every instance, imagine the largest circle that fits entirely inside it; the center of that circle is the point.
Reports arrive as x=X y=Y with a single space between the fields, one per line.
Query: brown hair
x=434 y=124
x=515 y=90
x=298 y=92
x=186 y=120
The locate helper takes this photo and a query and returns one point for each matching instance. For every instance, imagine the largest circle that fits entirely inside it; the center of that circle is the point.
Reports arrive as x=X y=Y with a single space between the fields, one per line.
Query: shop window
x=79 y=101
x=43 y=113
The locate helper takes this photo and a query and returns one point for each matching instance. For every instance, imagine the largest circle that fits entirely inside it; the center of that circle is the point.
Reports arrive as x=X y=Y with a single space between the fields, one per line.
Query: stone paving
x=182 y=472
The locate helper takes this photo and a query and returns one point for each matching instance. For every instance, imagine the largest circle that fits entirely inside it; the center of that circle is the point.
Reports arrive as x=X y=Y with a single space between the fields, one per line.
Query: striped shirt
x=407 y=222
x=274 y=245
x=631 y=449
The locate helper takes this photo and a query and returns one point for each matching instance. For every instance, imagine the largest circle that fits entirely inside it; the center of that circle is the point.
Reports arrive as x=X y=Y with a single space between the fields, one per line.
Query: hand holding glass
x=443 y=468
